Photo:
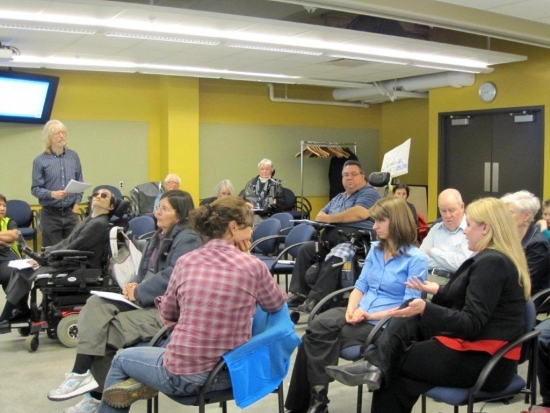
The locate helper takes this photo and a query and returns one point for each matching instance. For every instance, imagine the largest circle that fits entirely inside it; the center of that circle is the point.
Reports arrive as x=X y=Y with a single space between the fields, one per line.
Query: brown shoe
x=123 y=394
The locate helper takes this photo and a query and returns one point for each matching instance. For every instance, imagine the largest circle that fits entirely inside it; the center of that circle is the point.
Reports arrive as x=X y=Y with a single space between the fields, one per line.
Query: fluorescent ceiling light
x=72 y=63
x=153 y=72
x=367 y=59
x=453 y=69
x=273 y=49
x=280 y=42
x=46 y=29
x=162 y=38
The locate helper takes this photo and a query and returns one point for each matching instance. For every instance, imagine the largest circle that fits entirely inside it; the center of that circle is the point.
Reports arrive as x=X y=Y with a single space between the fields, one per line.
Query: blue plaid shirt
x=51 y=172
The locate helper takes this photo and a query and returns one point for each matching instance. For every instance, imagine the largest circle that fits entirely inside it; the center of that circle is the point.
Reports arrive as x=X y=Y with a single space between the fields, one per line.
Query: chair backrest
x=290 y=199
x=299 y=234
x=530 y=323
x=139 y=226
x=20 y=212
x=143 y=197
x=266 y=228
x=285 y=219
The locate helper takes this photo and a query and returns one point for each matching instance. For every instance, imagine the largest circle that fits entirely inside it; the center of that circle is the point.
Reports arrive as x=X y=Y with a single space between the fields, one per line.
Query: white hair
x=524 y=201
x=267 y=162
x=172 y=175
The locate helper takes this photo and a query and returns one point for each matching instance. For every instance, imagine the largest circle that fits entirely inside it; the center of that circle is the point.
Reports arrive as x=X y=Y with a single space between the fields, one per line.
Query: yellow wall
x=518 y=84
x=248 y=103
x=402 y=120
x=174 y=107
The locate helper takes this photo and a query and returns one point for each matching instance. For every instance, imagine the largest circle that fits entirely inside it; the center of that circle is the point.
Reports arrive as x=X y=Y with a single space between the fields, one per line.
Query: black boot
x=308 y=306
x=319 y=400
x=359 y=372
x=8 y=312
x=5 y=327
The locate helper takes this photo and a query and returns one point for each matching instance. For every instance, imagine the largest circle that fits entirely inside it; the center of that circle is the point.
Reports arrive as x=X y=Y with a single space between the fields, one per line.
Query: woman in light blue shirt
x=380 y=288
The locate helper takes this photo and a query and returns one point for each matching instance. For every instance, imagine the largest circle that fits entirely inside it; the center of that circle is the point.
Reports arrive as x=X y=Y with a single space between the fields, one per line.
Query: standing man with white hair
x=51 y=172
x=263 y=193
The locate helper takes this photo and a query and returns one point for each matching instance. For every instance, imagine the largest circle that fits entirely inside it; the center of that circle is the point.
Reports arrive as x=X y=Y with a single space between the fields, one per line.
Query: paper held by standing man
x=75 y=187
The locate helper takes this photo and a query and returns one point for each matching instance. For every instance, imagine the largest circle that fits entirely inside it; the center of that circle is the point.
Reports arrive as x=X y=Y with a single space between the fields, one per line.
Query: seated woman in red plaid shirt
x=209 y=304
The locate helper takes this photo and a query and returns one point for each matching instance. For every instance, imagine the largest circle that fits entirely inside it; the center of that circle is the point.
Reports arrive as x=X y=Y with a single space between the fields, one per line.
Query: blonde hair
x=47 y=133
x=502 y=235
x=402 y=225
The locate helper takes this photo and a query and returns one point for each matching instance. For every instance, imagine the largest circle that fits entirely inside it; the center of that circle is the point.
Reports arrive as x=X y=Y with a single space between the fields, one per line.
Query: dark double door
x=491 y=153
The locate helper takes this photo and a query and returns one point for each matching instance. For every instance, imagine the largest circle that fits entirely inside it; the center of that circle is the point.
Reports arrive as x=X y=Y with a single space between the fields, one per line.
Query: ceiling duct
x=394 y=89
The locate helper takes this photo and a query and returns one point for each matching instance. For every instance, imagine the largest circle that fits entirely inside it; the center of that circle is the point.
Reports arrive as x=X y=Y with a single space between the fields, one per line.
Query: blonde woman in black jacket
x=446 y=342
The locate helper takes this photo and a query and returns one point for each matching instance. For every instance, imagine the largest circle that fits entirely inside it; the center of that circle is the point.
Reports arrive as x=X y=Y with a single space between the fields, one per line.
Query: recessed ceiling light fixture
x=274 y=49
x=163 y=38
x=75 y=63
x=456 y=69
x=258 y=40
x=367 y=59
x=47 y=29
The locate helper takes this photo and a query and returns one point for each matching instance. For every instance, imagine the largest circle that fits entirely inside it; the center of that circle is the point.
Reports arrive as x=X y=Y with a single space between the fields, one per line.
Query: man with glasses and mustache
x=89 y=235
x=51 y=172
x=348 y=212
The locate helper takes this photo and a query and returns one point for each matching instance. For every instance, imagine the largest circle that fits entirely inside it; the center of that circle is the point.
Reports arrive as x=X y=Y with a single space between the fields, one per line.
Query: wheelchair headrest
x=379 y=179
x=121 y=207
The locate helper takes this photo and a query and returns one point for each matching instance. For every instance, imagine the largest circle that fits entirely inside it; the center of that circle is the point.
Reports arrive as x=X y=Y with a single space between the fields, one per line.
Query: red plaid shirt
x=210 y=301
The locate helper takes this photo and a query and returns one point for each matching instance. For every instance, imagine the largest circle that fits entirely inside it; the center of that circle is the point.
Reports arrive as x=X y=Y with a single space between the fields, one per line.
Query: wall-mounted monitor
x=26 y=97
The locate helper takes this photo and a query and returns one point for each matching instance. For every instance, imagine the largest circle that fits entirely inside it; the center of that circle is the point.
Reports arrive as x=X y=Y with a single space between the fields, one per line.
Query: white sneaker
x=87 y=405
x=74 y=385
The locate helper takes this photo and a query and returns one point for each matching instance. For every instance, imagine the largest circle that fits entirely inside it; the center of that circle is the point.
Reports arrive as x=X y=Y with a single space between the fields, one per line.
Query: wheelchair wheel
x=67 y=330
x=32 y=343
x=24 y=331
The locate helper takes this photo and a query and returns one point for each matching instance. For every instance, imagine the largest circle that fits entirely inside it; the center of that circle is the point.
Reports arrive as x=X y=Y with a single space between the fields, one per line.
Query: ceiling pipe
x=311 y=102
x=410 y=84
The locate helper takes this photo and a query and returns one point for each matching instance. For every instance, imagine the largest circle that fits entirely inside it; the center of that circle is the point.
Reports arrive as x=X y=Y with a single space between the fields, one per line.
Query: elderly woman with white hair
x=524 y=206
x=223 y=189
x=263 y=193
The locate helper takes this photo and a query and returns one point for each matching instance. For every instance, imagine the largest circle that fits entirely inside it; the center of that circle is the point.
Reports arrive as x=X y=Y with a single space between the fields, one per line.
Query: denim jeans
x=145 y=364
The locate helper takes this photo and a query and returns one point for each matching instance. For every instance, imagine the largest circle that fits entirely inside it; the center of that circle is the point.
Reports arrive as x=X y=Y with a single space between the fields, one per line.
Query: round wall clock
x=487 y=91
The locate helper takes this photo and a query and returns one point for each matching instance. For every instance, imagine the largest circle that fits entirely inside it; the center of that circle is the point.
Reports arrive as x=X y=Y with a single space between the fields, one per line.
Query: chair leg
x=224 y=406
x=423 y=403
x=359 y=398
x=280 y=397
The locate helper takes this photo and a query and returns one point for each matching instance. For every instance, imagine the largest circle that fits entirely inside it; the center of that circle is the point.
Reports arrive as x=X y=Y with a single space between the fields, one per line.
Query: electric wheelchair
x=65 y=289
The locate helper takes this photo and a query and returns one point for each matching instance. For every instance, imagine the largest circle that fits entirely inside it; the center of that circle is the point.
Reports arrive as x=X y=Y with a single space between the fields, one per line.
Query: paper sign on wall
x=396 y=161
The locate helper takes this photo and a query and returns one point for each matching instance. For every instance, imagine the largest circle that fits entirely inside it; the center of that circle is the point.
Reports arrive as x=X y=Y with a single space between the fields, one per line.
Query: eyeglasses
x=352 y=174
x=101 y=195
x=165 y=209
x=172 y=183
x=59 y=133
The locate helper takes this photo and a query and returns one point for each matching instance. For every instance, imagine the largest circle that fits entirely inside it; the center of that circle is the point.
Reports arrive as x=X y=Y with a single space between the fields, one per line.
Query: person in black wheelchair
x=105 y=325
x=381 y=287
x=346 y=213
x=89 y=235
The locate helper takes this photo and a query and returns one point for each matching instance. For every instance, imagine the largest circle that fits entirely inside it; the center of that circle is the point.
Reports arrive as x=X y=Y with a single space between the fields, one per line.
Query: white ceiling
x=97 y=51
